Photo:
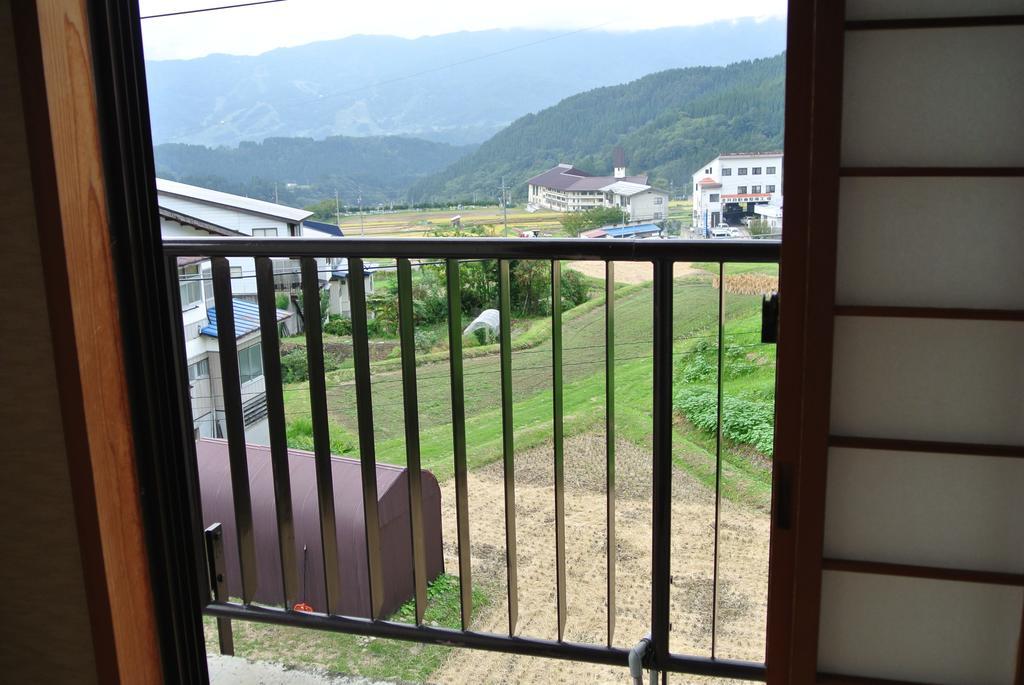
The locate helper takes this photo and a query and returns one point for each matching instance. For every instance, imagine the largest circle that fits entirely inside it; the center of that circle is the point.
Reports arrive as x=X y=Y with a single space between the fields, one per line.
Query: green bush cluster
x=749 y=420
x=529 y=280
x=294 y=368
x=339 y=326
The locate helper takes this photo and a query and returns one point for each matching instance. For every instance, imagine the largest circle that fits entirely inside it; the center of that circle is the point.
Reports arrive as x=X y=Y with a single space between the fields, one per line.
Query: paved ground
x=230 y=670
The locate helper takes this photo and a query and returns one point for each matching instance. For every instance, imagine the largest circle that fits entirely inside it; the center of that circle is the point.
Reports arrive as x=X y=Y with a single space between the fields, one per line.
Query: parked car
x=734 y=232
x=721 y=233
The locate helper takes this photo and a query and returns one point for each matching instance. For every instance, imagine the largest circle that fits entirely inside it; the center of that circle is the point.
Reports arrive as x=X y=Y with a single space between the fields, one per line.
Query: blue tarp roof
x=247 y=319
x=623 y=231
x=320 y=226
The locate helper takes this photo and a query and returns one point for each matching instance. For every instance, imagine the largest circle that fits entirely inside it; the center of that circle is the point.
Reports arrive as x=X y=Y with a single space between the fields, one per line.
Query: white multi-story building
x=732 y=186
x=565 y=188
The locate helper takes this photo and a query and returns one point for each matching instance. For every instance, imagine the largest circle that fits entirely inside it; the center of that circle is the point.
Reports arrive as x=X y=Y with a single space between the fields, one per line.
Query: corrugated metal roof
x=625 y=231
x=214 y=476
x=323 y=227
x=626 y=188
x=228 y=200
x=247 y=319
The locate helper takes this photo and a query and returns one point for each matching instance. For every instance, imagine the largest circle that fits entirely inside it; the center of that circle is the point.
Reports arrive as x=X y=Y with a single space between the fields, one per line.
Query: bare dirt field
x=631 y=272
x=743 y=569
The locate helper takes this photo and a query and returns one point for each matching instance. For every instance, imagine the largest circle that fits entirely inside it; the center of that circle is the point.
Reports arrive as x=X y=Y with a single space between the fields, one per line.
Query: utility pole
x=337 y=207
x=275 y=193
x=504 y=206
x=362 y=231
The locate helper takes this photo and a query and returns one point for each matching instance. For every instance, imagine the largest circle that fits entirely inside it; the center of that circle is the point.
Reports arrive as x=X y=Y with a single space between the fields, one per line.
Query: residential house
x=340 y=301
x=199 y=323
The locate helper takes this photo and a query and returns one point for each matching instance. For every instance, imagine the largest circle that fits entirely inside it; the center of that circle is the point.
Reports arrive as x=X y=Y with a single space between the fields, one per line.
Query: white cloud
x=257 y=29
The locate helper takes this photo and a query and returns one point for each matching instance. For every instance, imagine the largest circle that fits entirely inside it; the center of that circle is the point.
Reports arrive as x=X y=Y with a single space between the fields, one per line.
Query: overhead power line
x=209 y=9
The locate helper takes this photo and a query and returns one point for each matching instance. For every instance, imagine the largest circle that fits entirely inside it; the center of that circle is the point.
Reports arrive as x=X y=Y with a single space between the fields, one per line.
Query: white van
x=720 y=233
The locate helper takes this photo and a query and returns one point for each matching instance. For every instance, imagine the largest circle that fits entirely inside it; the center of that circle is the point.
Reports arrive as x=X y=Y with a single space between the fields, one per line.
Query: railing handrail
x=617 y=249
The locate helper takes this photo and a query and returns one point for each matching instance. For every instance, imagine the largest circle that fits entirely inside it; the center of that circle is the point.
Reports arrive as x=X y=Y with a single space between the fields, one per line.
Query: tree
x=577 y=222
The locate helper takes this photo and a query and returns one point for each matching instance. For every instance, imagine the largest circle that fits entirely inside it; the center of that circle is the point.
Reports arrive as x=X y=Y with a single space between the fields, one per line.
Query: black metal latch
x=770 y=318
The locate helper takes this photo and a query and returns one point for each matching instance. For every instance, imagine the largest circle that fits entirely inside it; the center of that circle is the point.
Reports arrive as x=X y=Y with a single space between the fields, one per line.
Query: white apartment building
x=732 y=186
x=565 y=188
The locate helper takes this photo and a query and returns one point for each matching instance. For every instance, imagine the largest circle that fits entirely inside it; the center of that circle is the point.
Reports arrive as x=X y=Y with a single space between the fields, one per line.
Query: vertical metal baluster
x=278 y=433
x=718 y=453
x=609 y=404
x=367 y=450
x=412 y=434
x=662 y=485
x=559 y=439
x=219 y=584
x=505 y=309
x=459 y=437
x=237 y=455
x=321 y=432
x=184 y=405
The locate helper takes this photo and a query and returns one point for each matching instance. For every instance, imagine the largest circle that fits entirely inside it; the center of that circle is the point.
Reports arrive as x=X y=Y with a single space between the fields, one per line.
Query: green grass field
x=746 y=476
x=695 y=315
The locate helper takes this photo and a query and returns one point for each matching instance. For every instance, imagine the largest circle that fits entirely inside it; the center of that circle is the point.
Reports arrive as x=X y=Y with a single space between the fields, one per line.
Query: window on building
x=755 y=189
x=250 y=363
x=201 y=369
x=742 y=171
x=769 y=189
x=696 y=187
x=726 y=171
x=264 y=232
x=657 y=199
x=770 y=170
x=714 y=197
x=756 y=171
x=190 y=286
x=658 y=215
x=742 y=190
x=708 y=170
x=236 y=272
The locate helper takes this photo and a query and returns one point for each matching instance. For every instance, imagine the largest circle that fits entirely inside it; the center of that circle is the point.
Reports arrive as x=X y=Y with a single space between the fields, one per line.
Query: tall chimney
x=619 y=161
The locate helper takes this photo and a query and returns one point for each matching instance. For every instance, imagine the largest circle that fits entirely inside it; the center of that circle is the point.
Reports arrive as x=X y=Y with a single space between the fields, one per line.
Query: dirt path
x=631 y=272
x=742 y=572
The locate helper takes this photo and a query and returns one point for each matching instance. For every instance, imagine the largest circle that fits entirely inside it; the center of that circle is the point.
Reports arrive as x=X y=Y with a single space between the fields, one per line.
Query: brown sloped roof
x=393 y=508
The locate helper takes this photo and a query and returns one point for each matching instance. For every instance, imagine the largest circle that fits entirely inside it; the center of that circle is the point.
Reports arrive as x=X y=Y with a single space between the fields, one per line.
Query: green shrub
x=294 y=368
x=575 y=289
x=749 y=420
x=338 y=325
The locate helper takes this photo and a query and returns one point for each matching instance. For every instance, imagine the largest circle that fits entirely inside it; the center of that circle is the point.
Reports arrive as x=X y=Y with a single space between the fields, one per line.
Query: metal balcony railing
x=661 y=253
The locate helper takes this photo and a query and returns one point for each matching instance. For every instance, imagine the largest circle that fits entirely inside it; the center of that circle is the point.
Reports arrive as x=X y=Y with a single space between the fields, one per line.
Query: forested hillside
x=668 y=123
x=305 y=170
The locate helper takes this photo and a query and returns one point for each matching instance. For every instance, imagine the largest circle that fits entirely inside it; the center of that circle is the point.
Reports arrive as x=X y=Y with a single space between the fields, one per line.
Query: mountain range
x=457 y=88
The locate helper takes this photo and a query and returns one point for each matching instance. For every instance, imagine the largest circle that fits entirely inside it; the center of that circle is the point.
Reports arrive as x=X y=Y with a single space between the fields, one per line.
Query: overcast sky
x=252 y=30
